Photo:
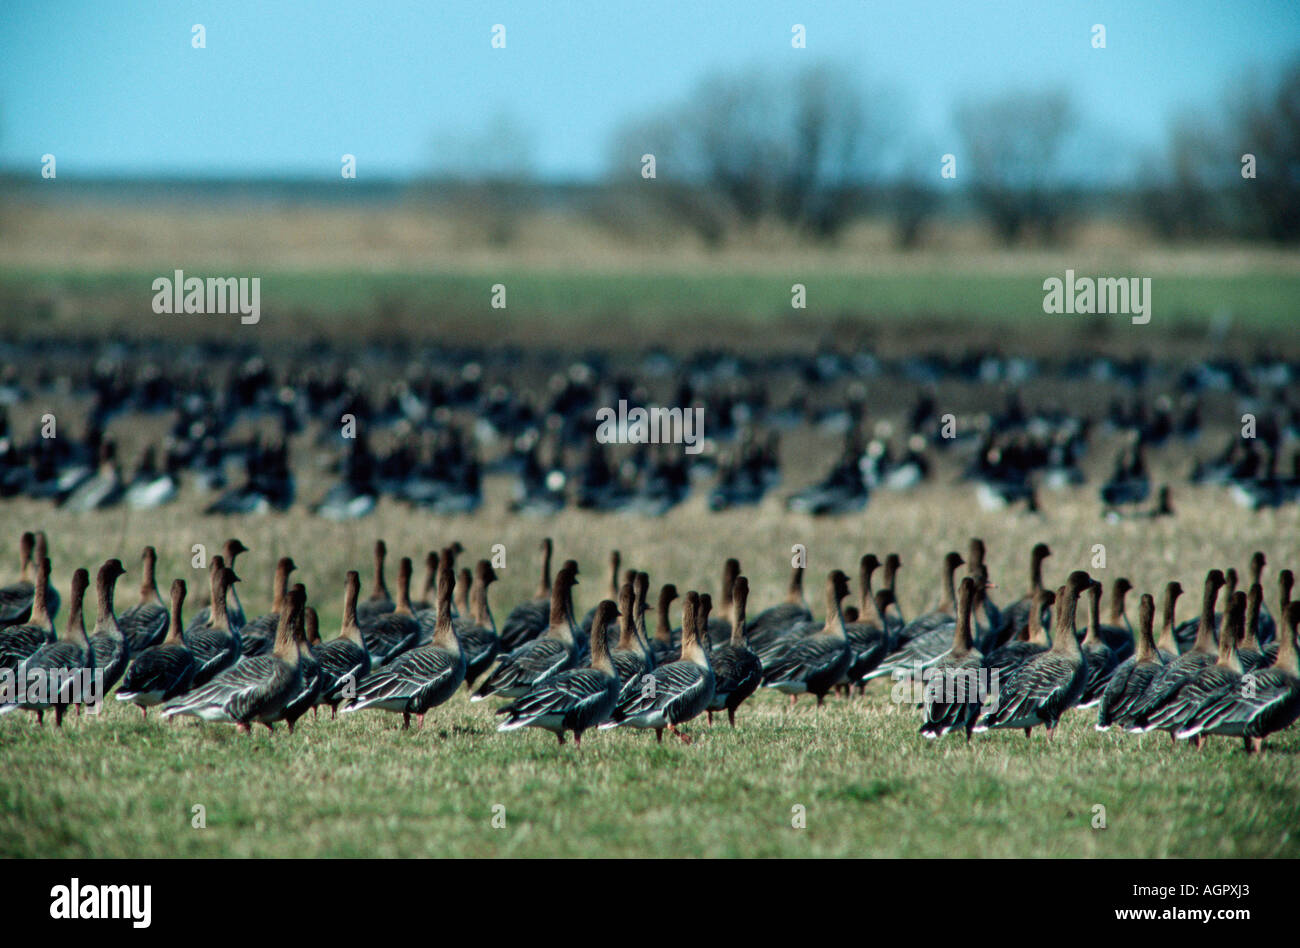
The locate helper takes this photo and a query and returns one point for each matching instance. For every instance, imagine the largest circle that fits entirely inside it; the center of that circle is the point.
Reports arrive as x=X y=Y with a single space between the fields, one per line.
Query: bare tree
x=1269 y=128
x=1181 y=192
x=748 y=147
x=1012 y=149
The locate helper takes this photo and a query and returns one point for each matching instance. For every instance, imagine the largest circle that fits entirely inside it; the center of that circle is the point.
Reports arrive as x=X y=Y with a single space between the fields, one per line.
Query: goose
x=389 y=634
x=1285 y=583
x=1015 y=617
x=1042 y=689
x=946 y=609
x=1167 y=644
x=152 y=488
x=1172 y=676
x=18 y=642
x=1267 y=626
x=775 y=621
x=642 y=586
x=867 y=628
x=869 y=640
x=478 y=631
x=65 y=663
x=530 y=619
x=677 y=691
x=109 y=650
x=921 y=642
x=230 y=550
x=541 y=658
x=426 y=609
x=16 y=598
x=1031 y=641
x=306 y=633
x=1117 y=632
x=814 y=665
x=423 y=677
x=737 y=671
x=258 y=636
x=1187 y=632
x=145 y=623
x=893 y=563
x=577 y=699
x=101 y=490
x=1248 y=651
x=1270 y=704
x=161 y=672
x=952 y=695
x=1102 y=659
x=661 y=646
x=460 y=600
x=379 y=603
x=429 y=598
x=1129 y=483
x=343 y=660
x=720 y=627
x=215 y=646
x=1207 y=683
x=615 y=559
x=255 y=689
x=630 y=658
x=1134 y=675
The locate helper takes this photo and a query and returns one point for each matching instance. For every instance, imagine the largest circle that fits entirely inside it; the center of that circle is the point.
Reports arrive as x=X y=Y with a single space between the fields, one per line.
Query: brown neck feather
x=176 y=623
x=351 y=629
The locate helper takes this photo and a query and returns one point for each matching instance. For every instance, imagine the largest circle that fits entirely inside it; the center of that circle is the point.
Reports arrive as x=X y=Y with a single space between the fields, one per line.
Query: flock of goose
x=426 y=428
x=1231 y=673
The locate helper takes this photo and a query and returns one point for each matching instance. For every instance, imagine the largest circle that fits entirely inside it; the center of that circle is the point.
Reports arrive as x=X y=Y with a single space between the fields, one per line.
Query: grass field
x=117 y=786
x=617 y=304
x=113 y=785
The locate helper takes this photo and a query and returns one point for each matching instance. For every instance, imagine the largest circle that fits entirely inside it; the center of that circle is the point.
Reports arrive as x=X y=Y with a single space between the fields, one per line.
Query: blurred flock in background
x=830 y=228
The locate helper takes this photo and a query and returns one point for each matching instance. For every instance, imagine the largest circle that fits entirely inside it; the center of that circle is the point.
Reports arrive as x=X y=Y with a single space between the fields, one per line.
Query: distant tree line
x=815 y=153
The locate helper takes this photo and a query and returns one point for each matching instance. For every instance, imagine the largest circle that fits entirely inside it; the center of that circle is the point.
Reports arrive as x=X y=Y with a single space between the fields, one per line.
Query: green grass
x=117 y=786
x=1254 y=299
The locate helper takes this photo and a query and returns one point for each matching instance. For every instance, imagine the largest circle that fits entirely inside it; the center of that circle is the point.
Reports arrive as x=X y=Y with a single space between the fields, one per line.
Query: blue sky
x=286 y=88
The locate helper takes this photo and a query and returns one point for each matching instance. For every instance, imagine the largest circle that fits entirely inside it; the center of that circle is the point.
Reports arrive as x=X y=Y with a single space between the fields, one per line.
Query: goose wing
x=339 y=658
x=1042 y=689
x=237 y=693
x=1167 y=683
x=20 y=642
x=581 y=694
x=1124 y=691
x=478 y=643
x=922 y=650
x=805 y=659
x=56 y=660
x=414 y=677
x=526 y=621
x=212 y=649
x=1196 y=691
x=671 y=684
x=16 y=602
x=530 y=664
x=628 y=664
x=161 y=668
x=952 y=697
x=735 y=669
x=143 y=625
